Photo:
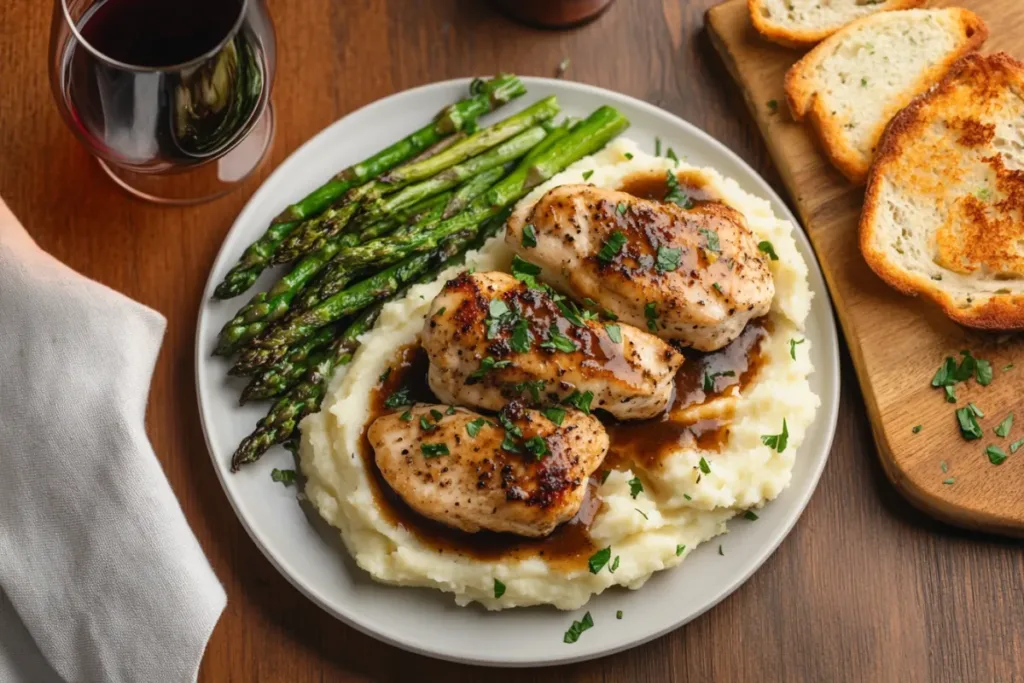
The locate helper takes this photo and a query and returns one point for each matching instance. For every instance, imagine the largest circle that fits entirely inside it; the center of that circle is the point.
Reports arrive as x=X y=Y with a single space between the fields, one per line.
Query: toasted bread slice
x=853 y=83
x=944 y=209
x=803 y=23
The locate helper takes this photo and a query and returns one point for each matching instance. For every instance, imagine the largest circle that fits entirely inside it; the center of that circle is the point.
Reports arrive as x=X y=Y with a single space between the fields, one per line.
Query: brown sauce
x=638 y=444
x=645 y=443
x=647 y=185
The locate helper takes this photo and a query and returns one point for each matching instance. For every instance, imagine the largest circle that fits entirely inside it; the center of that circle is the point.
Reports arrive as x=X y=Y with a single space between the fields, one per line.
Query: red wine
x=148 y=114
x=154 y=33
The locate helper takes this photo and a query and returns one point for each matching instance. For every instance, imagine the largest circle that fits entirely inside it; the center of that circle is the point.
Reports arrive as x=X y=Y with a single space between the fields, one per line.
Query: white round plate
x=309 y=553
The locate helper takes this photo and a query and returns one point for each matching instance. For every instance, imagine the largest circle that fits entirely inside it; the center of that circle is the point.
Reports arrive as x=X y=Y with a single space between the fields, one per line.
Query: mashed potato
x=680 y=506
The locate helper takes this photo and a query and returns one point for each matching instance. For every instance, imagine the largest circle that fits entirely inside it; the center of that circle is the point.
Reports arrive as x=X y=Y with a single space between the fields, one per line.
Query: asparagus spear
x=346 y=302
x=292 y=368
x=470 y=190
x=496 y=157
x=279 y=425
x=478 y=142
x=314 y=233
x=485 y=96
x=335 y=277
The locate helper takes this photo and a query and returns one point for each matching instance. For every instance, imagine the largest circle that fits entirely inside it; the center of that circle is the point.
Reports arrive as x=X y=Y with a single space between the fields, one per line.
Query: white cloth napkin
x=101 y=579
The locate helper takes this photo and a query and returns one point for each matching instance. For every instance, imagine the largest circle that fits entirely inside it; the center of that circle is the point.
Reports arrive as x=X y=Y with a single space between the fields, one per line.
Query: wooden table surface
x=863 y=589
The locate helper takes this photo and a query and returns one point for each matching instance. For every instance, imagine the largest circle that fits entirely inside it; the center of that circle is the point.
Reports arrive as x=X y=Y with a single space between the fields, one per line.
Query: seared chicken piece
x=520 y=473
x=692 y=275
x=490 y=339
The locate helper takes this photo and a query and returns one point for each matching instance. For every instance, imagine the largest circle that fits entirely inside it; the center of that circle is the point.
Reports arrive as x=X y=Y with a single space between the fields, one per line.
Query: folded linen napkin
x=101 y=579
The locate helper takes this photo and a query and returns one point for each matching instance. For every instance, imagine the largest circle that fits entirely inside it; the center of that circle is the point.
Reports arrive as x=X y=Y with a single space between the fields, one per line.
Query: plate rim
x=829 y=406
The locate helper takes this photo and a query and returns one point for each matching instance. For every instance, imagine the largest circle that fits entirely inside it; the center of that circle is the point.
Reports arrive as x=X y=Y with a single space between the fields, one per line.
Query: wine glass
x=171 y=96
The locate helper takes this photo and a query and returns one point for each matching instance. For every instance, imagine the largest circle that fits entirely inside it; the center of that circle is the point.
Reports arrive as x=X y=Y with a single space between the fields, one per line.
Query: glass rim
x=195 y=61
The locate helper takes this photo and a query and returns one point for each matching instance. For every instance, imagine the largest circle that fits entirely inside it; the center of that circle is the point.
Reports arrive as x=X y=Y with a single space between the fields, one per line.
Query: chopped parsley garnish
x=642 y=513
x=508 y=443
x=712 y=238
x=916 y=429
x=996 y=455
x=440 y=311
x=406 y=416
x=604 y=476
x=720 y=551
x=556 y=415
x=751 y=515
x=651 y=314
x=434 y=450
x=559 y=342
x=425 y=424
x=521 y=336
x=687 y=496
x=1003 y=429
x=704 y=466
x=621 y=208
x=537 y=446
x=436 y=414
x=499 y=588
x=486 y=365
x=984 y=372
x=615 y=565
x=968 y=423
x=450 y=411
x=498 y=314
x=773 y=106
x=976 y=410
x=792 y=347
x=578 y=627
x=571 y=312
x=398 y=399
x=636 y=487
x=657 y=146
x=524 y=271
x=675 y=194
x=384 y=376
x=612 y=246
x=580 y=401
x=587 y=174
x=950 y=394
x=508 y=425
x=680 y=549
x=529 y=236
x=863 y=82
x=533 y=387
x=618 y=614
x=709 y=379
x=668 y=259
x=769 y=249
x=671 y=154
x=473 y=428
x=718 y=287
x=628 y=155
x=599 y=559
x=1016 y=445
x=614 y=333
x=777 y=441
x=950 y=481
x=944 y=466
x=1007 y=367
x=286 y=477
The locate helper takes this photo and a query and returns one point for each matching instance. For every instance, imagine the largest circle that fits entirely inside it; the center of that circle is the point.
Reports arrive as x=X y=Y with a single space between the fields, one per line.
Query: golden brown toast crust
x=827 y=129
x=972 y=237
x=803 y=39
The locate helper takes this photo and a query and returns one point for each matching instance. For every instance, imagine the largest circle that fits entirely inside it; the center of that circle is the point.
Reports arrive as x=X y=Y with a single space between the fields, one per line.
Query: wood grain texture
x=897 y=342
x=864 y=589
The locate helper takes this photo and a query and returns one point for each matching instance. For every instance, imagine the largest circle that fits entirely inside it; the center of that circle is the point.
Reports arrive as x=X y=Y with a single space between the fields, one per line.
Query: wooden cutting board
x=897 y=342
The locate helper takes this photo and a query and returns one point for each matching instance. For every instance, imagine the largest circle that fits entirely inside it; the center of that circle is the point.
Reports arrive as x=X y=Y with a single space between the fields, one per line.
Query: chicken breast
x=690 y=275
x=519 y=473
x=491 y=339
